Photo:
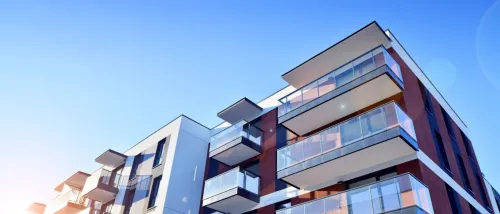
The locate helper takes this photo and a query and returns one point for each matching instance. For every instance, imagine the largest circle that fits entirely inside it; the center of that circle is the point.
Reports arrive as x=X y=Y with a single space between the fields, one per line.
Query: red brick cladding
x=415 y=109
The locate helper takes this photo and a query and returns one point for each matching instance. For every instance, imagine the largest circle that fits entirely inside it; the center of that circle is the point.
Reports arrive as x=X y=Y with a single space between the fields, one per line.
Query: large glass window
x=467 y=145
x=482 y=191
x=159 y=152
x=452 y=197
x=135 y=165
x=449 y=123
x=443 y=158
x=463 y=172
x=154 y=192
x=426 y=98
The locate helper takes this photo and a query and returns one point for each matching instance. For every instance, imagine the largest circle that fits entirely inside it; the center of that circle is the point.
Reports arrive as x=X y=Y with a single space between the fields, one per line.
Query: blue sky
x=78 y=78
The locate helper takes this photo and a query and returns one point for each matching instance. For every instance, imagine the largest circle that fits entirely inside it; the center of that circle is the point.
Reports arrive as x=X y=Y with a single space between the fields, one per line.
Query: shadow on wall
x=137 y=188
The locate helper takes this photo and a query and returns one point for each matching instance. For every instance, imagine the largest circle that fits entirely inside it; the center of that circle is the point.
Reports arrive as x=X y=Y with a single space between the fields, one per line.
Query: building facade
x=359 y=129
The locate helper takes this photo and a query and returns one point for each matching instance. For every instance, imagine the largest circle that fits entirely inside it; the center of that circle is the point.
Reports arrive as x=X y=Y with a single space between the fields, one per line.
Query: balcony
x=366 y=80
x=232 y=192
x=401 y=194
x=236 y=144
x=100 y=187
x=350 y=147
x=69 y=202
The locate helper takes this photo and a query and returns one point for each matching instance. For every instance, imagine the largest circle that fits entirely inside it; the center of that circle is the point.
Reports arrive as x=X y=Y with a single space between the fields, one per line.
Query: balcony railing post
x=371 y=197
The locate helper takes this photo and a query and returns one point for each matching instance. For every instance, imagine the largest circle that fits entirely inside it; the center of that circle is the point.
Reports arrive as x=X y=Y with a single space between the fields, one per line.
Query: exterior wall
x=493 y=195
x=185 y=183
x=182 y=178
x=415 y=109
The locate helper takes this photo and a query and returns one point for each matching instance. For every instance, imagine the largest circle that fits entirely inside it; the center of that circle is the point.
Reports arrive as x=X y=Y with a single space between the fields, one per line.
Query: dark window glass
x=159 y=152
x=213 y=168
x=482 y=192
x=449 y=123
x=154 y=192
x=463 y=173
x=452 y=197
x=467 y=144
x=426 y=97
x=498 y=203
x=137 y=160
x=371 y=178
x=253 y=167
x=443 y=158
x=281 y=141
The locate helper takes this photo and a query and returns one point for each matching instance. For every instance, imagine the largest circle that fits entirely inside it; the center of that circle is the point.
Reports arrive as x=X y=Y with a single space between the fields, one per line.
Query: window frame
x=160 y=147
x=153 y=193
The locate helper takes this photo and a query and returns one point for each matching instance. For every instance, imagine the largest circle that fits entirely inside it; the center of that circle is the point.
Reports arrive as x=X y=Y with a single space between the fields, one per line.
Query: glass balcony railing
x=338 y=77
x=240 y=129
x=229 y=180
x=388 y=195
x=105 y=176
x=340 y=135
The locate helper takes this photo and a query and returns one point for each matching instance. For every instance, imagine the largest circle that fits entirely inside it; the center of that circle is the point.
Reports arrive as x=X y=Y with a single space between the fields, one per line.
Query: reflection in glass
x=381 y=197
x=352 y=130
x=356 y=68
x=240 y=129
x=310 y=92
x=344 y=75
x=229 y=180
x=326 y=84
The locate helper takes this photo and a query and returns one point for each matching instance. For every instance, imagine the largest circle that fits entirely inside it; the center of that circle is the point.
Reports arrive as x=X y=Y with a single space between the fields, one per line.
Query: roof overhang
x=337 y=55
x=76 y=180
x=244 y=109
x=111 y=158
x=36 y=208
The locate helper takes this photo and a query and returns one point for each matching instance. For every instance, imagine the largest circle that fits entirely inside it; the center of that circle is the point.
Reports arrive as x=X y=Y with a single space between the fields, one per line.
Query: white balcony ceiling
x=244 y=109
x=340 y=53
x=111 y=158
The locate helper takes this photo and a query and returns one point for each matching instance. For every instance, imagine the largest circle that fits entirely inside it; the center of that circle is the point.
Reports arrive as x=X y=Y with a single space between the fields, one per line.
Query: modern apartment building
x=164 y=173
x=358 y=129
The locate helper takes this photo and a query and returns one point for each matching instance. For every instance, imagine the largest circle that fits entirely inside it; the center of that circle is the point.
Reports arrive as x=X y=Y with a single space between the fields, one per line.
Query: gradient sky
x=79 y=78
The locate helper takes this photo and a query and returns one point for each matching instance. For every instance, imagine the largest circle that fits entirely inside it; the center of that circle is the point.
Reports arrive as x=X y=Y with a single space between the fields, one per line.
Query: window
x=482 y=192
x=463 y=173
x=159 y=152
x=452 y=197
x=448 y=122
x=426 y=97
x=371 y=178
x=498 y=203
x=135 y=165
x=467 y=144
x=443 y=158
x=154 y=192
